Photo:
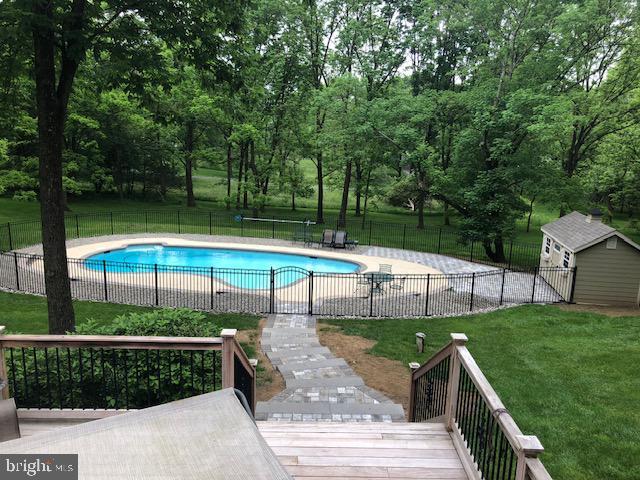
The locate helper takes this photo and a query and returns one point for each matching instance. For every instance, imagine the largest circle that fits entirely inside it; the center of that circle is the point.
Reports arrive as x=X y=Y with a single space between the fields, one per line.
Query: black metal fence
x=438 y=240
x=293 y=290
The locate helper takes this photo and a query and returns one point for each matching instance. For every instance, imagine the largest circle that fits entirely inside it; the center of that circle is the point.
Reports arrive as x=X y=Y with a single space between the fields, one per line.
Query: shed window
x=547 y=246
x=612 y=243
x=566 y=258
x=556 y=247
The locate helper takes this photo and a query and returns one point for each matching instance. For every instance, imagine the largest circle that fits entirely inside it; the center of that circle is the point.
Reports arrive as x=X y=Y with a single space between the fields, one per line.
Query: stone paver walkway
x=319 y=386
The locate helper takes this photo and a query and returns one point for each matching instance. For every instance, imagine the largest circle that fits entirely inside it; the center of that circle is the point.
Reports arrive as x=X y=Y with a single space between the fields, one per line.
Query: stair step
x=392 y=409
x=350 y=381
x=280 y=355
x=307 y=365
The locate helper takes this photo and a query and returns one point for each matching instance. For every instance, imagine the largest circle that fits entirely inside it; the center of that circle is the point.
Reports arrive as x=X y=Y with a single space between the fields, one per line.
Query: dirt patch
x=269 y=382
x=604 y=310
x=387 y=376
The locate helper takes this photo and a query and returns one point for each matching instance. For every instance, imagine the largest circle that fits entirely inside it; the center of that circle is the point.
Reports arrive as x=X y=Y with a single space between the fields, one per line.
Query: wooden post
x=252 y=400
x=413 y=366
x=529 y=447
x=4 y=378
x=457 y=340
x=228 y=356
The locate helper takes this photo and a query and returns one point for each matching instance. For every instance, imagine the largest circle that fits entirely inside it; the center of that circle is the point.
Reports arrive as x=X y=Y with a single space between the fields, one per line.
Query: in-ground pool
x=221 y=263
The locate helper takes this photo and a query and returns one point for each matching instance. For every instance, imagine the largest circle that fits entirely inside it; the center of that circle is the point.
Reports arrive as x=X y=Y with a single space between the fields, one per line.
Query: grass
x=568 y=377
x=28 y=314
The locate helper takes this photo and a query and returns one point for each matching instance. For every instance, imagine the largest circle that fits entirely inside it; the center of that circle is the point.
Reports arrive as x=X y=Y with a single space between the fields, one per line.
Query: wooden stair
x=314 y=450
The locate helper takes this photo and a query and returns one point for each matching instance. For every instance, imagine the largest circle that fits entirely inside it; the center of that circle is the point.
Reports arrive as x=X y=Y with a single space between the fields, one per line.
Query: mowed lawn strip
x=28 y=314
x=569 y=377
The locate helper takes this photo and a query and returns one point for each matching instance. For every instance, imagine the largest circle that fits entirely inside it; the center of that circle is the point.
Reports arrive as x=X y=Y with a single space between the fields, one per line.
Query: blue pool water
x=226 y=262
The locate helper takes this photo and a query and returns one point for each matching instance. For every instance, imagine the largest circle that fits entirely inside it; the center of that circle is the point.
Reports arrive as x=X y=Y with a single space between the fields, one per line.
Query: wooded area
x=484 y=107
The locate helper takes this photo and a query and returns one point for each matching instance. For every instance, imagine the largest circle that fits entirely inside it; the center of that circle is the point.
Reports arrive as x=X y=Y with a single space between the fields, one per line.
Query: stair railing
x=451 y=388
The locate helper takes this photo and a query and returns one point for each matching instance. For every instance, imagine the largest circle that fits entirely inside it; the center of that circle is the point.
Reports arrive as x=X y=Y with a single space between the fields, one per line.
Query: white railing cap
x=459 y=338
x=530 y=445
x=228 y=332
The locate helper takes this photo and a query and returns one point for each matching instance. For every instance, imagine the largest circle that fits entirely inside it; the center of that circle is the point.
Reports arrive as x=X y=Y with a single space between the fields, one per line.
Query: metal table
x=378 y=279
x=205 y=437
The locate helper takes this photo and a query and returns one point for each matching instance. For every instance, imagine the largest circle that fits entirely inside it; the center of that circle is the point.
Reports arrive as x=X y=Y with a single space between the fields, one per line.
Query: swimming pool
x=225 y=263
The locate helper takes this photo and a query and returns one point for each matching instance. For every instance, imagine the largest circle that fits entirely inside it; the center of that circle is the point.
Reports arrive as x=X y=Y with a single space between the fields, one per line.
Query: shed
x=607 y=263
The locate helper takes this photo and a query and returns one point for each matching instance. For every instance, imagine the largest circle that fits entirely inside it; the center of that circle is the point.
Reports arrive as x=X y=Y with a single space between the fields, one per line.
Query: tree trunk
x=293 y=200
x=445 y=213
x=245 y=192
x=239 y=189
x=530 y=214
x=188 y=163
x=358 y=211
x=229 y=173
x=366 y=197
x=495 y=250
x=52 y=109
x=342 y=217
x=422 y=198
x=320 y=175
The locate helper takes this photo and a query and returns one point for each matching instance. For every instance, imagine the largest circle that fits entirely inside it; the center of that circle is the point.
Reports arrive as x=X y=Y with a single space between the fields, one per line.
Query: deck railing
x=450 y=387
x=104 y=373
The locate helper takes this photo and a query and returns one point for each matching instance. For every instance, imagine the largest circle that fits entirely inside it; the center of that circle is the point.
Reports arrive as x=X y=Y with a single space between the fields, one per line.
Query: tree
x=62 y=34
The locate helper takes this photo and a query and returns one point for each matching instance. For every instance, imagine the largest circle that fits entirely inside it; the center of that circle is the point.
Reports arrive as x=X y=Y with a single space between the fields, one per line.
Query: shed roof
x=576 y=233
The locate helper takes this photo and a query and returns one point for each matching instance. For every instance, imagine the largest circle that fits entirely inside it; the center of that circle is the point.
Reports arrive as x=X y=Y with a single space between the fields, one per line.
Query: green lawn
x=28 y=314
x=569 y=377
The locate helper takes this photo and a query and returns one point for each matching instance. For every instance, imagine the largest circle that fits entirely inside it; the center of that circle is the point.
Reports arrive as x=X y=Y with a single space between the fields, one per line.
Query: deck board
x=315 y=451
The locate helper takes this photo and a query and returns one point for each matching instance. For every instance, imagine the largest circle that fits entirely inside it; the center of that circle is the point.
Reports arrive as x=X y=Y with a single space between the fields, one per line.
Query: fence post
x=439 y=238
x=77 y=227
x=104 y=280
x=533 y=289
x=272 y=290
x=242 y=226
x=111 y=219
x=473 y=286
x=146 y=222
x=413 y=366
x=457 y=340
x=573 y=284
x=504 y=273
x=211 y=288
x=404 y=235
x=426 y=305
x=228 y=356
x=472 y=243
x=155 y=282
x=311 y=292
x=273 y=227
x=179 y=229
x=15 y=264
x=210 y=226
x=528 y=447
x=9 y=234
x=4 y=378
x=371 y=298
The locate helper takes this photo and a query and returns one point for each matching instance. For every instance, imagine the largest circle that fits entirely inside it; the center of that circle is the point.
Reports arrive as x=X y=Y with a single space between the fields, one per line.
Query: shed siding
x=608 y=276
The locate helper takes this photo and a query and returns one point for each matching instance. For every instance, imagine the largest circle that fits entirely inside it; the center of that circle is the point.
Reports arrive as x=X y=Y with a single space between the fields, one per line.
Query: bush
x=168 y=322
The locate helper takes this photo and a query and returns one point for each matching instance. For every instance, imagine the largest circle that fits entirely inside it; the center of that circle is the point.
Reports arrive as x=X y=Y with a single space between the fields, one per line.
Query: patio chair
x=9 y=426
x=362 y=290
x=327 y=238
x=398 y=283
x=303 y=235
x=340 y=239
x=385 y=268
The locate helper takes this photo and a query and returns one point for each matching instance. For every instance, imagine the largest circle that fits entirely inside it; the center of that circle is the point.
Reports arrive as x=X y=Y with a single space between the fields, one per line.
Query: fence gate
x=291 y=290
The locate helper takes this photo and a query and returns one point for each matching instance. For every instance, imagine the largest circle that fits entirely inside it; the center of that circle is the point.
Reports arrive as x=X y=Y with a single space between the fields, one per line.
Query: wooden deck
x=314 y=451
x=331 y=451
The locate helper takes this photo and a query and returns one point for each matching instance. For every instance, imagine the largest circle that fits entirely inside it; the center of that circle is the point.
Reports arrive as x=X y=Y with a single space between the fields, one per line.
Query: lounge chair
x=303 y=235
x=9 y=426
x=340 y=239
x=327 y=238
x=385 y=268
